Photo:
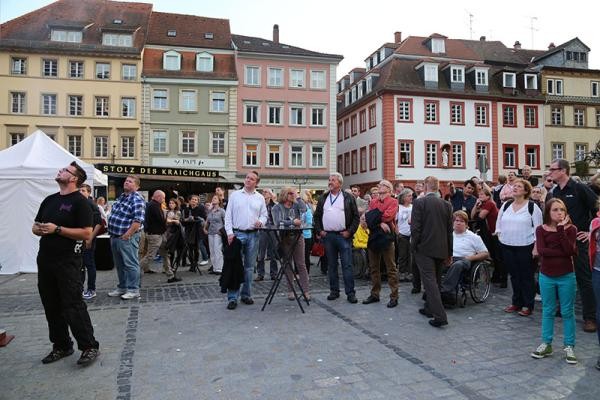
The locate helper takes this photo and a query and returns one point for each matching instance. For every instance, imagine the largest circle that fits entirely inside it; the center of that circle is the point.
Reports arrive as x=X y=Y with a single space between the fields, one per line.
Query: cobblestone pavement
x=179 y=342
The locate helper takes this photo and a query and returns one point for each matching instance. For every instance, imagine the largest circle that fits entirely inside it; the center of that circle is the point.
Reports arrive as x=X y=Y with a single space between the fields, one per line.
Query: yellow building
x=77 y=79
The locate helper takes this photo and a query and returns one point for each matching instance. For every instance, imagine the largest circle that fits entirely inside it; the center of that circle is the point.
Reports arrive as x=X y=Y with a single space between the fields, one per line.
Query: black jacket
x=350 y=211
x=378 y=239
x=232 y=275
x=155 y=222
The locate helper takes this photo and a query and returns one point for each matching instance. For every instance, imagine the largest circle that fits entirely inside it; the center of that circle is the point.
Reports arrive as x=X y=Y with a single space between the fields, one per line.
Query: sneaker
x=88 y=356
x=231 y=305
x=203 y=262
x=130 y=295
x=55 y=355
x=173 y=280
x=333 y=295
x=542 y=351
x=247 y=300
x=570 y=355
x=89 y=294
x=116 y=293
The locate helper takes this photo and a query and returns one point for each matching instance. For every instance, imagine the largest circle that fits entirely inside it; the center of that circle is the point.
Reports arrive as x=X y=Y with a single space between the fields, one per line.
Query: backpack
x=530 y=205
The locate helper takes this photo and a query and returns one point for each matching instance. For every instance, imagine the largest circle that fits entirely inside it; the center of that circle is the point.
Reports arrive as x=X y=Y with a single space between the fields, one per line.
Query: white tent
x=27 y=172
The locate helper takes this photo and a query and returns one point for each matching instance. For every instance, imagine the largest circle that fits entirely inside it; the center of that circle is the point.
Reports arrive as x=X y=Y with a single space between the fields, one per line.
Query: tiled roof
x=573 y=100
x=31 y=31
x=415 y=45
x=258 y=45
x=559 y=48
x=223 y=66
x=190 y=31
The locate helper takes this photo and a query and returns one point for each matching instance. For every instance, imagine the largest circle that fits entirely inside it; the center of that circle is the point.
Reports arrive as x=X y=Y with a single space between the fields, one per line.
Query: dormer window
x=369 y=84
x=172 y=61
x=204 y=62
x=457 y=74
x=438 y=45
x=360 y=89
x=208 y=35
x=62 y=35
x=530 y=81
x=576 y=56
x=509 y=80
x=117 y=39
x=172 y=33
x=382 y=54
x=431 y=73
x=481 y=77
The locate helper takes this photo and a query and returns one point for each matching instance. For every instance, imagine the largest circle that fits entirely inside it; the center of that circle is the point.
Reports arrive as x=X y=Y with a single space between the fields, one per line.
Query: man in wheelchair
x=467 y=248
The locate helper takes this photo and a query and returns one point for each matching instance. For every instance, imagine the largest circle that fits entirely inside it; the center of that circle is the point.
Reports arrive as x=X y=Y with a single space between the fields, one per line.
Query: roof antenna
x=533 y=29
x=471 y=16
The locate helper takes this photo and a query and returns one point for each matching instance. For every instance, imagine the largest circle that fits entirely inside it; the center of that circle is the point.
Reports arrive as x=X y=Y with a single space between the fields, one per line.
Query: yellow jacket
x=361 y=237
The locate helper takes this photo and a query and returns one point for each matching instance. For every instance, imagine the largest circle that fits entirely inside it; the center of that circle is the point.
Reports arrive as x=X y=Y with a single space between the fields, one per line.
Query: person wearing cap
x=387 y=208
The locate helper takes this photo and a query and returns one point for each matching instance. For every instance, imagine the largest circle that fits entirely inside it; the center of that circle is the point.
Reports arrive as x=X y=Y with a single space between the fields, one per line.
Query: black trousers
x=60 y=287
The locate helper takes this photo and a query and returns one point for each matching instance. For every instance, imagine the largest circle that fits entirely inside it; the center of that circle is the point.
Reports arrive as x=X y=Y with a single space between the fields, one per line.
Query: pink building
x=286 y=112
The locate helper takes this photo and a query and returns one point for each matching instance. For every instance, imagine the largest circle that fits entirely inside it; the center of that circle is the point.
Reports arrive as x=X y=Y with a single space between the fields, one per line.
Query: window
x=275 y=76
x=432 y=108
x=117 y=39
x=296 y=115
x=404 y=110
x=275 y=112
x=595 y=85
x=509 y=80
x=204 y=62
x=431 y=154
x=457 y=74
x=18 y=66
x=579 y=117
x=17 y=102
x=127 y=146
x=532 y=156
x=509 y=117
x=217 y=142
x=61 y=35
x=317 y=156
x=187 y=101
x=49 y=104
x=252 y=76
x=101 y=146
x=580 y=151
x=75 y=105
x=431 y=73
x=76 y=69
x=369 y=84
x=530 y=81
x=16 y=138
x=128 y=107
x=363 y=159
x=353 y=125
x=372 y=116
x=558 y=150
x=438 y=45
x=481 y=114
x=297 y=78
x=556 y=116
x=531 y=120
x=317 y=117
x=346 y=163
x=362 y=116
x=171 y=61
x=250 y=154
x=74 y=145
x=340 y=132
x=598 y=118
x=510 y=155
x=340 y=164
x=347 y=128
x=102 y=71
x=160 y=99
x=217 y=102
x=458 y=154
x=296 y=155
x=273 y=155
x=354 y=162
x=554 y=86
x=405 y=153
x=457 y=113
x=373 y=156
x=482 y=150
x=187 y=142
x=251 y=113
x=129 y=72
x=49 y=67
x=481 y=77
x=317 y=79
x=159 y=141
x=102 y=106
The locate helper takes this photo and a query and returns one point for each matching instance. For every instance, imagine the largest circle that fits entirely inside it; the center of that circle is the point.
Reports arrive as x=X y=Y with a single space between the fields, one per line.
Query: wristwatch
x=58 y=230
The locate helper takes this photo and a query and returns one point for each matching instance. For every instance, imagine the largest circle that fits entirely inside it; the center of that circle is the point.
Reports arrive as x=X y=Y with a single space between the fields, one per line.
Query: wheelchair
x=476 y=281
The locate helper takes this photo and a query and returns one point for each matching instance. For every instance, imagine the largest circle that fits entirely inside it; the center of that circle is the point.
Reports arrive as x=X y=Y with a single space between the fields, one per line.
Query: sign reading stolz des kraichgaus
x=159 y=171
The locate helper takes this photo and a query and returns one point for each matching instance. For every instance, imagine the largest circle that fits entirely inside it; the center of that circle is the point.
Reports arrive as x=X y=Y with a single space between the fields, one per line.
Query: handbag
x=317 y=249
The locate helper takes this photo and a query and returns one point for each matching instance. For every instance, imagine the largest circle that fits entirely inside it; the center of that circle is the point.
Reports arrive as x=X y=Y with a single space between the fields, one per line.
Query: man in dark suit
x=431 y=241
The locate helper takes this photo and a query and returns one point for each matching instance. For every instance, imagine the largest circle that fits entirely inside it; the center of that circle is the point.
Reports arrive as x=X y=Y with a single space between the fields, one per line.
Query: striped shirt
x=126 y=210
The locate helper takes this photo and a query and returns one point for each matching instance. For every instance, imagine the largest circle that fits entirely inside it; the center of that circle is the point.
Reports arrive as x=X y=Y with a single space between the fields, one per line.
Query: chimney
x=397 y=37
x=551 y=46
x=276 y=33
x=517 y=45
x=482 y=38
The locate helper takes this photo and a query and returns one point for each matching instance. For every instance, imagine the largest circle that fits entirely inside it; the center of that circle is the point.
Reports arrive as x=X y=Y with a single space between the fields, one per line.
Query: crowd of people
x=421 y=235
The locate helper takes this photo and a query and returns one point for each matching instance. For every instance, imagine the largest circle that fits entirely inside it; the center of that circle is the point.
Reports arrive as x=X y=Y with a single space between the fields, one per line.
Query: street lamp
x=300 y=182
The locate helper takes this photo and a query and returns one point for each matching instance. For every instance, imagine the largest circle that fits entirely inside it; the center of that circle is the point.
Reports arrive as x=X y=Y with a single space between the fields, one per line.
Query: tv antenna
x=471 y=16
x=533 y=29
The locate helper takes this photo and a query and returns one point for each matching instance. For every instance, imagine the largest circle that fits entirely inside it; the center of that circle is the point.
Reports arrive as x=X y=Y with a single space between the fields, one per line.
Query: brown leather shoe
x=589 y=326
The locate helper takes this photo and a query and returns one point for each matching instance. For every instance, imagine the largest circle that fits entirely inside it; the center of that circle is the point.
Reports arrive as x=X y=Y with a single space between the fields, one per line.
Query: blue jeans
x=266 y=247
x=202 y=248
x=565 y=286
x=127 y=262
x=89 y=264
x=596 y=286
x=336 y=244
x=249 y=250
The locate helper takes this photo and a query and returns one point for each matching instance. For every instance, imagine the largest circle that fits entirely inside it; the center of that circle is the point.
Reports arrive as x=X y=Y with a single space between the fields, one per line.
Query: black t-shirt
x=71 y=211
x=580 y=202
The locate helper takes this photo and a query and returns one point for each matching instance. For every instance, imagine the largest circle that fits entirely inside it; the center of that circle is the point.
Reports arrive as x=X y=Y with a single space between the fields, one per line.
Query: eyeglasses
x=549 y=180
x=554 y=169
x=67 y=170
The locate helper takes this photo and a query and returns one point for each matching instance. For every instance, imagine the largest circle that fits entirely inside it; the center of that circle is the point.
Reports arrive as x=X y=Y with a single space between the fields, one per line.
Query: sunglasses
x=67 y=170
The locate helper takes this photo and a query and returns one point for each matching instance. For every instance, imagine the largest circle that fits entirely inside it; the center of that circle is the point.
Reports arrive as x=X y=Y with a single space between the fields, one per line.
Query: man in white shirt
x=245 y=213
x=466 y=248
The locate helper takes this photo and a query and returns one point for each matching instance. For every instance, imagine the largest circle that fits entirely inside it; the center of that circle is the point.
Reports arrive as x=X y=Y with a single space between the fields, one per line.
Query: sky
x=355 y=29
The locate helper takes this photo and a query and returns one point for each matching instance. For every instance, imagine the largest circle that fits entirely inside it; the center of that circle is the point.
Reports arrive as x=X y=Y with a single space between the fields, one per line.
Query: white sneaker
x=570 y=355
x=116 y=293
x=203 y=262
x=89 y=294
x=130 y=295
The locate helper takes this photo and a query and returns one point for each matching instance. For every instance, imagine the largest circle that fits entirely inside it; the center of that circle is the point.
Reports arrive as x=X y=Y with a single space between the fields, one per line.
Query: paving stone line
x=126 y=360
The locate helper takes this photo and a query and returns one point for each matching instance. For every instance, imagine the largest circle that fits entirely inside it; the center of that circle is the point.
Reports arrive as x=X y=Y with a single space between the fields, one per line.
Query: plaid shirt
x=128 y=208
